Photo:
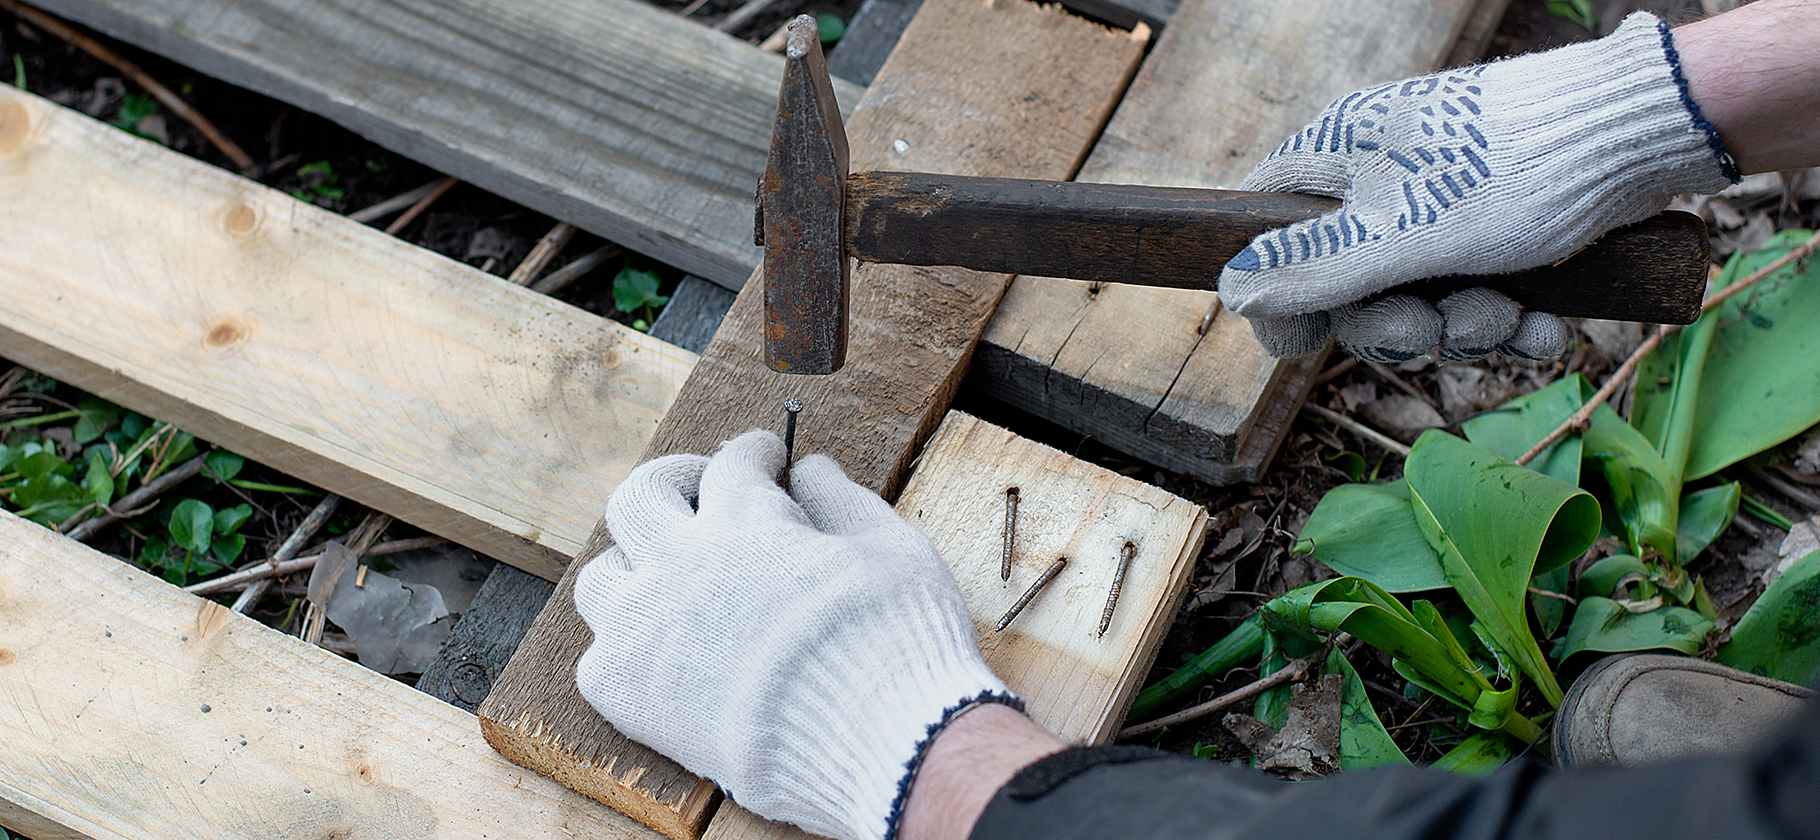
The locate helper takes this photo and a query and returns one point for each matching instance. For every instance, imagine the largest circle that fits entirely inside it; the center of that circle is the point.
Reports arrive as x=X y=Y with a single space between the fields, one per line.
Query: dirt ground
x=1248 y=558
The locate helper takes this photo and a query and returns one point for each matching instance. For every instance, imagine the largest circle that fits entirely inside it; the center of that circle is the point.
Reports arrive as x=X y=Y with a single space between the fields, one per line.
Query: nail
x=1004 y=563
x=1118 y=583
x=1054 y=569
x=792 y=407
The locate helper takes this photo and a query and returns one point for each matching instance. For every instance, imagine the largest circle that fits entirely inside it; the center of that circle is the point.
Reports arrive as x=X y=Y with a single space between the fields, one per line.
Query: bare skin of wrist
x=970 y=760
x=1755 y=72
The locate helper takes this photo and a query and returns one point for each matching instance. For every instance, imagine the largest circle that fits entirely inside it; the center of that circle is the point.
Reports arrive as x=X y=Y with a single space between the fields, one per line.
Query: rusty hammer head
x=800 y=204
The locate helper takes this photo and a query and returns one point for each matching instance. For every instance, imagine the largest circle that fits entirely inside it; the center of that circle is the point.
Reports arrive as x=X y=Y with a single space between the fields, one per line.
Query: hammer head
x=800 y=204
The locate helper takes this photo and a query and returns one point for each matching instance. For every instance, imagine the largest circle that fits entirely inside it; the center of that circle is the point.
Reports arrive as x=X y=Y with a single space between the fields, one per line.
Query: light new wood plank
x=998 y=88
x=134 y=710
x=1226 y=82
x=1076 y=683
x=458 y=402
x=614 y=115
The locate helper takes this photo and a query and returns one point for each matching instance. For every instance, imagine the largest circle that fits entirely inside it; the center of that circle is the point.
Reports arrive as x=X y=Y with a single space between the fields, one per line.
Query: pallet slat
x=1000 y=88
x=135 y=710
x=465 y=405
x=614 y=115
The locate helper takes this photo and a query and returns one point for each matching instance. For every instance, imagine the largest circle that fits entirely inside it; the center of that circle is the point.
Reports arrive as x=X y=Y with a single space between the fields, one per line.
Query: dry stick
x=573 y=271
x=742 y=14
x=362 y=538
x=1292 y=671
x=313 y=522
x=690 y=9
x=542 y=253
x=129 y=504
x=263 y=572
x=422 y=204
x=1358 y=428
x=368 y=215
x=1794 y=493
x=240 y=158
x=1391 y=376
x=1581 y=418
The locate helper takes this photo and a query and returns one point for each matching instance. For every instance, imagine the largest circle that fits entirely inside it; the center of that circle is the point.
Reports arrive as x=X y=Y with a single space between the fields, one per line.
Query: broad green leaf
x=1363 y=741
x=1601 y=578
x=43 y=463
x=1242 y=644
x=229 y=520
x=829 y=27
x=1605 y=626
x=49 y=499
x=97 y=481
x=634 y=289
x=1780 y=635
x=1495 y=525
x=1550 y=610
x=1704 y=516
x=192 y=525
x=1272 y=704
x=223 y=465
x=227 y=547
x=1512 y=428
x=1761 y=383
x=96 y=416
x=1668 y=421
x=1367 y=530
x=1478 y=755
x=1646 y=492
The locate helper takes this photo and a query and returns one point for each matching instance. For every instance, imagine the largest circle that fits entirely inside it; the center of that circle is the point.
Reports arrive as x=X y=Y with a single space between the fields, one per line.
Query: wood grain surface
x=1226 y=82
x=447 y=397
x=1002 y=88
x=138 y=711
x=1077 y=683
x=614 y=115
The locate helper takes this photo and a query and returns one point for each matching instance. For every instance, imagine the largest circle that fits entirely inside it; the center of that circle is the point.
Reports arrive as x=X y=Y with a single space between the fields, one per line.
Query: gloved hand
x=794 y=648
x=1480 y=170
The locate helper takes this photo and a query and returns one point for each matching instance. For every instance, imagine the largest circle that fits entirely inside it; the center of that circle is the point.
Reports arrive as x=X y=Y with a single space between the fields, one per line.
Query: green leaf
x=40 y=462
x=1363 y=741
x=1550 y=611
x=1367 y=530
x=49 y=499
x=1512 y=428
x=229 y=520
x=192 y=525
x=227 y=548
x=829 y=27
x=1578 y=11
x=1780 y=635
x=1476 y=756
x=1495 y=525
x=19 y=71
x=1761 y=383
x=1601 y=578
x=96 y=415
x=223 y=465
x=1603 y=625
x=98 y=481
x=1704 y=516
x=1242 y=644
x=634 y=289
x=1646 y=492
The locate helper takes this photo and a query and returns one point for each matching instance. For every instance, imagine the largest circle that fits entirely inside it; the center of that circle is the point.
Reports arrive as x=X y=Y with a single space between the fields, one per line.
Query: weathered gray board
x=614 y=115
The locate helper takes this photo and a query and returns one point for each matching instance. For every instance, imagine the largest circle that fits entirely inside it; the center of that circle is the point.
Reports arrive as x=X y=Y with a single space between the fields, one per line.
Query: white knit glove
x=1482 y=170
x=796 y=648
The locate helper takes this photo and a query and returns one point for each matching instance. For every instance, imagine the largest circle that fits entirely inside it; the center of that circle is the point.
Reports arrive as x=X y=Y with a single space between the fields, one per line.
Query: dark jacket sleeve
x=1131 y=793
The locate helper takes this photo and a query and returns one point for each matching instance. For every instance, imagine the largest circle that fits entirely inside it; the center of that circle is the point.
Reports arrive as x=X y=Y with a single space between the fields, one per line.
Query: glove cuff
x=915 y=765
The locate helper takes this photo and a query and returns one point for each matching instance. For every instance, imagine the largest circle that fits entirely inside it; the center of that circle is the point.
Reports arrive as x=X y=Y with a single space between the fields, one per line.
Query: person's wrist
x=965 y=765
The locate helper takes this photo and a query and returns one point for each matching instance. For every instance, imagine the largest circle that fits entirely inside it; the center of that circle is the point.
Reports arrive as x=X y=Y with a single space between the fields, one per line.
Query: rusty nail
x=1023 y=600
x=1118 y=583
x=1004 y=564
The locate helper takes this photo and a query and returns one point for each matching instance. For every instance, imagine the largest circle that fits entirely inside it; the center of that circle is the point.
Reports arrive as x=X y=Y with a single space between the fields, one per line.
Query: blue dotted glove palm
x=1482 y=170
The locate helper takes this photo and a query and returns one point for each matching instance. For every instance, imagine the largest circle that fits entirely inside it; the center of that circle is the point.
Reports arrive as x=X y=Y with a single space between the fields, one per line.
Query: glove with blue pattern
x=1481 y=170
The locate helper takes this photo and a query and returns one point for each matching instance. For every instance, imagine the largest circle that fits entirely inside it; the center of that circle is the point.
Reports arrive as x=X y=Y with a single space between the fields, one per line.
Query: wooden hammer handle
x=1652 y=271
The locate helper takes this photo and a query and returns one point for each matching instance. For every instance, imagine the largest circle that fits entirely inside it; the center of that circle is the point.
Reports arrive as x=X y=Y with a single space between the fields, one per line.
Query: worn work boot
x=1637 y=708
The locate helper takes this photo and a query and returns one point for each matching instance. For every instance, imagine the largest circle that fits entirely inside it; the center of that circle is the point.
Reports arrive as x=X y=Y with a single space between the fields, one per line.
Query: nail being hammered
x=1024 y=600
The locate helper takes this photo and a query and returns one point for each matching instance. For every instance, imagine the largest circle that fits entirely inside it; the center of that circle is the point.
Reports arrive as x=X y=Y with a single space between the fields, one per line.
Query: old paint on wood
x=1077 y=684
x=139 y=711
x=1034 y=102
x=447 y=397
x=615 y=115
x=1226 y=82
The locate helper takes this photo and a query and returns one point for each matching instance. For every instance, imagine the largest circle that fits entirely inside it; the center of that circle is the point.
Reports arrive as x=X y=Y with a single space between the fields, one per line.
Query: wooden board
x=1226 y=82
x=445 y=396
x=136 y=710
x=614 y=115
x=1002 y=88
x=1077 y=683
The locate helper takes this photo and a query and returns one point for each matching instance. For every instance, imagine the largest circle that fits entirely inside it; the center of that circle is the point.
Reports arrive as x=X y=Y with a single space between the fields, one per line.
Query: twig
x=263 y=571
x=233 y=152
x=1391 y=376
x=1794 y=494
x=1288 y=673
x=368 y=215
x=313 y=522
x=422 y=204
x=1358 y=428
x=1441 y=719
x=691 y=8
x=542 y=253
x=1338 y=368
x=358 y=542
x=573 y=271
x=134 y=501
x=1580 y=418
x=745 y=12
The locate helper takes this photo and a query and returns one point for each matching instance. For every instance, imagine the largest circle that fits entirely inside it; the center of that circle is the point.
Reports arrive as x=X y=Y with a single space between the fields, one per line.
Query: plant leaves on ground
x=1779 y=636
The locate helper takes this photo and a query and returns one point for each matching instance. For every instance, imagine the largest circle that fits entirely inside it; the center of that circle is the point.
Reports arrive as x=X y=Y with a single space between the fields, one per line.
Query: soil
x=1249 y=555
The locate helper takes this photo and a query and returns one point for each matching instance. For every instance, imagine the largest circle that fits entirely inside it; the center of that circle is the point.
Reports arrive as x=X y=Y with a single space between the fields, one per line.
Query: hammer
x=812 y=215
